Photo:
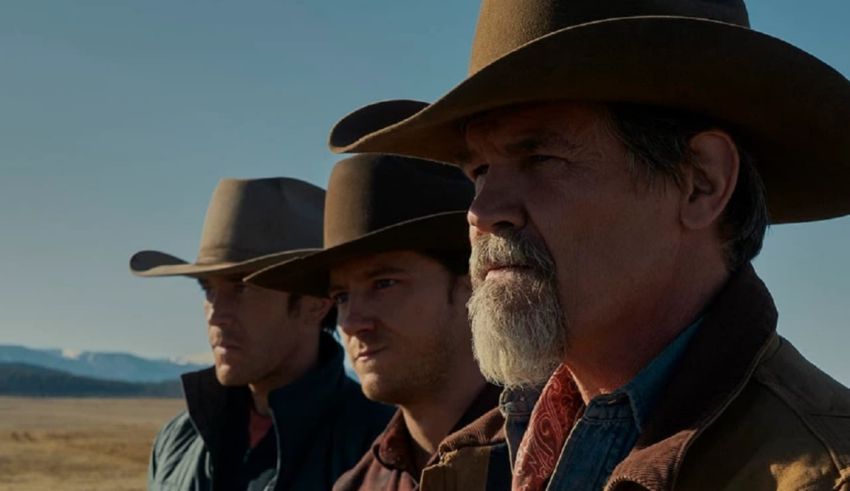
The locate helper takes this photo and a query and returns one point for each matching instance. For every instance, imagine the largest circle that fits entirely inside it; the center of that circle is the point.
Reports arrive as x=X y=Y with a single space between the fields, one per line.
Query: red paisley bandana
x=551 y=421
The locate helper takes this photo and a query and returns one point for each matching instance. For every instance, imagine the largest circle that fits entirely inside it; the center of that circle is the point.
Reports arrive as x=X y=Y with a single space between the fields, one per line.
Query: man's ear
x=708 y=184
x=314 y=309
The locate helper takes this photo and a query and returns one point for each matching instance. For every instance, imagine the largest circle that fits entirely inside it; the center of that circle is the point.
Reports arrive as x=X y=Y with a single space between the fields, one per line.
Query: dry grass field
x=78 y=444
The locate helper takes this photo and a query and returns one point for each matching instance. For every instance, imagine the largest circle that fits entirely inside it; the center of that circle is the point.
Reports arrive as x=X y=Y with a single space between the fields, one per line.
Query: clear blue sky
x=118 y=117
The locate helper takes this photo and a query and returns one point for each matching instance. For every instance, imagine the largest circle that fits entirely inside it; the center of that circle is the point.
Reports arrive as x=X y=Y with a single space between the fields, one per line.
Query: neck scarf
x=551 y=421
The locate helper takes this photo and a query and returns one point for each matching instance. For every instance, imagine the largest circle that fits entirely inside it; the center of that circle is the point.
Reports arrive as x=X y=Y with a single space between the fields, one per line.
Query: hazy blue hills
x=20 y=379
x=107 y=366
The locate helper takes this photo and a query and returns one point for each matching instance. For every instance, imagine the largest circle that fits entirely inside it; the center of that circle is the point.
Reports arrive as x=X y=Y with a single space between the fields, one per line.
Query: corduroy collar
x=393 y=449
x=719 y=360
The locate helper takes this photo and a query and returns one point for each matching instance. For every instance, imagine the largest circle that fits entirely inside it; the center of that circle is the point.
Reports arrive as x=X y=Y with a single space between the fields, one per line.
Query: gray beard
x=518 y=329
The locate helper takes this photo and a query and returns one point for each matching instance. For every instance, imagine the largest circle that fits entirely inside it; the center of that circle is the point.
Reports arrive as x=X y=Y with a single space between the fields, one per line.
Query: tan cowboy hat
x=791 y=109
x=250 y=224
x=378 y=203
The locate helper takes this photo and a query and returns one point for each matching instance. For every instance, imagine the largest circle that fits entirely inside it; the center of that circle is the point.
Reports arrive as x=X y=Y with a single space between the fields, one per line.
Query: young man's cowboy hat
x=250 y=224
x=379 y=203
x=790 y=109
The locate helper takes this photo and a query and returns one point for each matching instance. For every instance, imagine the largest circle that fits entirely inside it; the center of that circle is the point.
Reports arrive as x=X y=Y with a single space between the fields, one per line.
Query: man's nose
x=497 y=204
x=355 y=318
x=221 y=308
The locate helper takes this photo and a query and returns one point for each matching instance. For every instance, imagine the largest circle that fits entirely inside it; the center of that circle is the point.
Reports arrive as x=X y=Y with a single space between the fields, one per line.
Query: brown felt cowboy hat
x=378 y=203
x=250 y=224
x=791 y=109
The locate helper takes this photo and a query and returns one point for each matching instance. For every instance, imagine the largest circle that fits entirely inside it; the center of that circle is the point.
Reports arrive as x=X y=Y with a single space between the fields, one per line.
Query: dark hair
x=457 y=262
x=658 y=141
x=328 y=323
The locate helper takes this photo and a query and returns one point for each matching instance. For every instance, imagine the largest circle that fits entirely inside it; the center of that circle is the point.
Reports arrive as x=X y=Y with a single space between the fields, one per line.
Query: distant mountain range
x=121 y=367
x=20 y=379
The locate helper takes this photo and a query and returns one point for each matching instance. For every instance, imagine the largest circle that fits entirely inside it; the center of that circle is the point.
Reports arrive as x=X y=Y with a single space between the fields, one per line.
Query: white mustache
x=511 y=249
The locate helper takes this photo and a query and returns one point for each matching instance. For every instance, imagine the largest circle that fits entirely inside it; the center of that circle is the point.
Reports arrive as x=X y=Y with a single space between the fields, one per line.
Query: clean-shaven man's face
x=252 y=330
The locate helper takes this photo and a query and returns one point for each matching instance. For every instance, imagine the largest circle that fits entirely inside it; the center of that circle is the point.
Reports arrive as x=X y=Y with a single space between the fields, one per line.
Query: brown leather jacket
x=743 y=411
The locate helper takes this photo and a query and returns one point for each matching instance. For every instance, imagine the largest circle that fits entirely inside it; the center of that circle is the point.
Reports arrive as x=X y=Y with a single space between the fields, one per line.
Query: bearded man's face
x=566 y=239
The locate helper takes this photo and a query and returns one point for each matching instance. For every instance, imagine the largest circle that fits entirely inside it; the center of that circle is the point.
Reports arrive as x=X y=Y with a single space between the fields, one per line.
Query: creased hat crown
x=249 y=225
x=256 y=217
x=504 y=25
x=378 y=203
x=370 y=192
x=789 y=109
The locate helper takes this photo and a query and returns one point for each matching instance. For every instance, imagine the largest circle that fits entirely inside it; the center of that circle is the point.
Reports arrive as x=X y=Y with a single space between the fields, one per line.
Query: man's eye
x=479 y=171
x=384 y=283
x=538 y=159
x=339 y=298
x=239 y=287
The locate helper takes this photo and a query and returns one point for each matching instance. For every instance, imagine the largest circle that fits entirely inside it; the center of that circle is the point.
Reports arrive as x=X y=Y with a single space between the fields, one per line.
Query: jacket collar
x=300 y=408
x=484 y=426
x=296 y=408
x=719 y=360
x=394 y=447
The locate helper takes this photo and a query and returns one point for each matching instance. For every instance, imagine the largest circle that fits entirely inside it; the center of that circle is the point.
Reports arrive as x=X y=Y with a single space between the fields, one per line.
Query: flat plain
x=85 y=444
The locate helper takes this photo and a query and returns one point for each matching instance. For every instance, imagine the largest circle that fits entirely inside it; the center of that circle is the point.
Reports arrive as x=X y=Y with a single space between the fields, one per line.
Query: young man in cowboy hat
x=276 y=411
x=396 y=261
x=627 y=158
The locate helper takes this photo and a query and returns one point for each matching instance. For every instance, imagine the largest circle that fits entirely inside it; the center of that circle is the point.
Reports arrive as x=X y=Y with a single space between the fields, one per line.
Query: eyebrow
x=384 y=270
x=373 y=273
x=534 y=142
x=204 y=282
x=530 y=143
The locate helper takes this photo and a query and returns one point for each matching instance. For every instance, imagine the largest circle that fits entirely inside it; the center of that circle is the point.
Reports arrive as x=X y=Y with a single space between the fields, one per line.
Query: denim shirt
x=608 y=428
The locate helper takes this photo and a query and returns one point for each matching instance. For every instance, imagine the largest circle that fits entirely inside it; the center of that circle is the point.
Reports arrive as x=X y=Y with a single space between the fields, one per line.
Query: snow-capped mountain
x=107 y=366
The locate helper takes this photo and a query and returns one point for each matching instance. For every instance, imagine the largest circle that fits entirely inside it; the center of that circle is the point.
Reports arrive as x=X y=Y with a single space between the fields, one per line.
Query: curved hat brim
x=790 y=109
x=308 y=275
x=156 y=263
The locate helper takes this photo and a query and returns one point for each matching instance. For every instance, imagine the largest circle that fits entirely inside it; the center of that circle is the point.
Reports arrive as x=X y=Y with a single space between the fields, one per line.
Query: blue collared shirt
x=609 y=427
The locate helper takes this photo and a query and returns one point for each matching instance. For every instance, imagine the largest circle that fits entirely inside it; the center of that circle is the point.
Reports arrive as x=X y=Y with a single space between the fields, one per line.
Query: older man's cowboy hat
x=250 y=224
x=791 y=109
x=378 y=203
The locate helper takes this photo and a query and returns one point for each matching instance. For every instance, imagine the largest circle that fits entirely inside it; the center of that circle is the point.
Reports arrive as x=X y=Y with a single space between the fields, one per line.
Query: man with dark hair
x=627 y=158
x=396 y=262
x=276 y=411
x=657 y=141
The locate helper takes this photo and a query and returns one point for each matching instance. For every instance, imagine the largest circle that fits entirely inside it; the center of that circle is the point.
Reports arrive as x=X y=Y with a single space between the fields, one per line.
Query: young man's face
x=252 y=331
x=403 y=321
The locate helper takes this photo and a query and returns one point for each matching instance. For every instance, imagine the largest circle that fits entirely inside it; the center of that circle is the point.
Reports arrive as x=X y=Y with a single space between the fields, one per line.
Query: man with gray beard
x=627 y=159
x=518 y=328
